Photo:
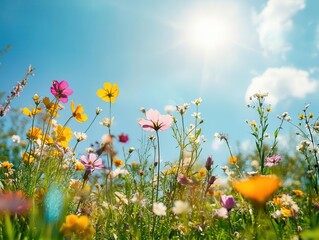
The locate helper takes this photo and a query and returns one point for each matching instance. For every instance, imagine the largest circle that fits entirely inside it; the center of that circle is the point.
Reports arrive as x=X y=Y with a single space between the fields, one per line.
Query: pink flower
x=222 y=212
x=61 y=91
x=184 y=180
x=272 y=161
x=14 y=203
x=155 y=121
x=227 y=202
x=91 y=162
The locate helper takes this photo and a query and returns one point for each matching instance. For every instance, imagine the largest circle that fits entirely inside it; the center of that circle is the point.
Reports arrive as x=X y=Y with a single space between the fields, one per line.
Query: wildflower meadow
x=50 y=189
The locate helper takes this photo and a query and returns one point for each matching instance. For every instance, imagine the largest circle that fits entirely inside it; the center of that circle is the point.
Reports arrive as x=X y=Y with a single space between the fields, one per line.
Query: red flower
x=61 y=90
x=123 y=138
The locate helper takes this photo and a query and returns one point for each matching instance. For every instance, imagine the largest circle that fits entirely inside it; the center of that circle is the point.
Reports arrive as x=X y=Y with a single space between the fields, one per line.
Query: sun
x=208 y=33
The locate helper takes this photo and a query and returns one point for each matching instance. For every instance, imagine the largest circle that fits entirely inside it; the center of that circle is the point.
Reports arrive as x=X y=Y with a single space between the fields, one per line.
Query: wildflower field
x=109 y=190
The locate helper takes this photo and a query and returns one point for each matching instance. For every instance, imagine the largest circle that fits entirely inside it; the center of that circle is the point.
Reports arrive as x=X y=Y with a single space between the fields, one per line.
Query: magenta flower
x=227 y=202
x=123 y=138
x=272 y=161
x=155 y=121
x=61 y=90
x=91 y=162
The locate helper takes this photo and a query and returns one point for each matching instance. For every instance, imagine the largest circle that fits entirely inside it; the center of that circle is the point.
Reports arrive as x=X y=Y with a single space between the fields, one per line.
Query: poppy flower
x=257 y=188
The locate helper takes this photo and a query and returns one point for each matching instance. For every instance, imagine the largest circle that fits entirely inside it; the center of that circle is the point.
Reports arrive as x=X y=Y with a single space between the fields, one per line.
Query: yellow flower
x=253 y=124
x=31 y=113
x=286 y=212
x=78 y=225
x=6 y=165
x=257 y=188
x=78 y=166
x=78 y=113
x=63 y=135
x=34 y=133
x=202 y=173
x=109 y=93
x=118 y=162
x=301 y=116
x=28 y=158
x=232 y=160
x=298 y=192
x=51 y=107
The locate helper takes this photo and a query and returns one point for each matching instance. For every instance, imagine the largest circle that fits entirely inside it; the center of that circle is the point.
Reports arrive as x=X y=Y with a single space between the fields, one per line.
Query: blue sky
x=167 y=53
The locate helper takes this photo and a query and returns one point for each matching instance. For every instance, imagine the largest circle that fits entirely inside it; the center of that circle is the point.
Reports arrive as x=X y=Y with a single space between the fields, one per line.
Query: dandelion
x=15 y=138
x=180 y=207
x=61 y=90
x=272 y=161
x=78 y=113
x=159 y=209
x=91 y=162
x=155 y=121
x=123 y=138
x=257 y=188
x=109 y=93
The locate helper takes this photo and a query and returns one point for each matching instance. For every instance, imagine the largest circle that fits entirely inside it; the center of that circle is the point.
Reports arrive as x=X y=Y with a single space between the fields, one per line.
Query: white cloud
x=282 y=83
x=216 y=144
x=274 y=22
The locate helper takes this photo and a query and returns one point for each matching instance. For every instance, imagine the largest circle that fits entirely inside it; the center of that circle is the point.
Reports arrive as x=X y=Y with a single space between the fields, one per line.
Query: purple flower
x=209 y=163
x=61 y=90
x=227 y=202
x=273 y=160
x=91 y=162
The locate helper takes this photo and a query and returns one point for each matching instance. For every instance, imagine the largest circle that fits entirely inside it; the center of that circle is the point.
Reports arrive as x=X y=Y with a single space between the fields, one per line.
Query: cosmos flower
x=31 y=113
x=61 y=90
x=155 y=121
x=78 y=113
x=257 y=188
x=109 y=93
x=91 y=162
x=123 y=138
x=273 y=160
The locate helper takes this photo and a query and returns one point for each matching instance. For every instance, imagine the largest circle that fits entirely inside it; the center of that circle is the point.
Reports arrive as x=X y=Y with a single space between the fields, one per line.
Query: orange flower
x=118 y=162
x=6 y=165
x=78 y=225
x=34 y=133
x=298 y=192
x=257 y=188
x=78 y=113
x=232 y=160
